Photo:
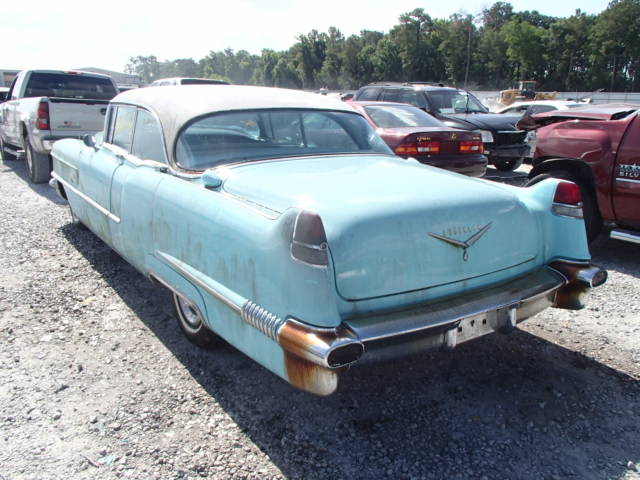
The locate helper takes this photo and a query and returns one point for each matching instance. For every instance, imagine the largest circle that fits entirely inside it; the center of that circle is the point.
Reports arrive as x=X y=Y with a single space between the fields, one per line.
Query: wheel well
x=25 y=134
x=61 y=191
x=576 y=169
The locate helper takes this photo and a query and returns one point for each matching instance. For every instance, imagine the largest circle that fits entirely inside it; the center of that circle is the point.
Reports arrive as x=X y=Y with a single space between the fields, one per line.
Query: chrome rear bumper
x=446 y=323
x=449 y=322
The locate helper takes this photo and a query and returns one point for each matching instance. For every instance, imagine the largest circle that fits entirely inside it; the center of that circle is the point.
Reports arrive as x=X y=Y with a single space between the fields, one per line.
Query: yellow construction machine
x=526 y=91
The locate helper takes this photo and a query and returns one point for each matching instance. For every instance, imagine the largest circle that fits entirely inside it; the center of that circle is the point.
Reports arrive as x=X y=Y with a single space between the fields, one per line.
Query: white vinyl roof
x=177 y=105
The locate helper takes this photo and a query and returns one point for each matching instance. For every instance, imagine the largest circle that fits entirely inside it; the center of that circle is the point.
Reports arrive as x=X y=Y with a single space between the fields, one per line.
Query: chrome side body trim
x=156 y=277
x=629 y=180
x=625 y=236
x=87 y=199
x=261 y=319
x=231 y=299
x=327 y=347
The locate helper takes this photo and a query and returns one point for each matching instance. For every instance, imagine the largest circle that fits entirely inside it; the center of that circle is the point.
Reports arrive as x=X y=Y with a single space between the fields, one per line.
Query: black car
x=503 y=143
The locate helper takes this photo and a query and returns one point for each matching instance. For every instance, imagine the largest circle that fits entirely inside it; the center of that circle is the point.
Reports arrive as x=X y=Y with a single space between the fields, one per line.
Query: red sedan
x=410 y=132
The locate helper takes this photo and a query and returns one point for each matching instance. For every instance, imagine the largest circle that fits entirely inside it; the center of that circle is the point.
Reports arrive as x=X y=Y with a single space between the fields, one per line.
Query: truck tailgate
x=70 y=117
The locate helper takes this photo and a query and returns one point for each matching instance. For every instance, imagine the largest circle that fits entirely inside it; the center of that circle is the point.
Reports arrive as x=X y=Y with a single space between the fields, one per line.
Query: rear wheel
x=192 y=323
x=592 y=217
x=508 y=164
x=38 y=164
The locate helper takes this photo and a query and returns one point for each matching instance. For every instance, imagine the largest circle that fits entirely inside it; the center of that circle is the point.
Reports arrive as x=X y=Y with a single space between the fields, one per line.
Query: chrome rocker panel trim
x=87 y=199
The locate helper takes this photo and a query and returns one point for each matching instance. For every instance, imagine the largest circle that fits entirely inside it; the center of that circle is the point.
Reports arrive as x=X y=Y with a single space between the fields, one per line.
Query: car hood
x=386 y=219
x=480 y=121
x=589 y=112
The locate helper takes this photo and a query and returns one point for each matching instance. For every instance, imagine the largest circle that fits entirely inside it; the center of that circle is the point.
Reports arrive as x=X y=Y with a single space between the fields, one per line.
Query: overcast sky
x=75 y=34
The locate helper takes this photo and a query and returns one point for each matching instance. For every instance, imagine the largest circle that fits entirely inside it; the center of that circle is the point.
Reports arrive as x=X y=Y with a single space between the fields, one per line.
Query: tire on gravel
x=38 y=164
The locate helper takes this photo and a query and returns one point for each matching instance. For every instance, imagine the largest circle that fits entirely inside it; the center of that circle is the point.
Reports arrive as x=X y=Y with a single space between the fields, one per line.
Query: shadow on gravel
x=19 y=167
x=515 y=406
x=623 y=257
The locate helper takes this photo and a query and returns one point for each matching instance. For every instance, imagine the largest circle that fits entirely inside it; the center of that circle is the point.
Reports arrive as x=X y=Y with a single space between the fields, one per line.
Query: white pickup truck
x=43 y=106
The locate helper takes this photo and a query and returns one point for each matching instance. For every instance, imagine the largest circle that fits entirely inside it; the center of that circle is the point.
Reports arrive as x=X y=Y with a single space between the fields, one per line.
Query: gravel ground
x=96 y=382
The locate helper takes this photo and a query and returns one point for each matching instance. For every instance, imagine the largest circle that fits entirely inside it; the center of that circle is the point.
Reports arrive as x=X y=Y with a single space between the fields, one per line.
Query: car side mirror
x=90 y=141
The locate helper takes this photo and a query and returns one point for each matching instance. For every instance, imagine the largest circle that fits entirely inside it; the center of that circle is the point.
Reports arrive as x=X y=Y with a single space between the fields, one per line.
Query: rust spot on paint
x=299 y=340
x=570 y=295
x=310 y=377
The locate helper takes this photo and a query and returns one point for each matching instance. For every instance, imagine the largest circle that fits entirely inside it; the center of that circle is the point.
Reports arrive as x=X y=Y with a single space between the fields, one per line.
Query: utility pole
x=466 y=72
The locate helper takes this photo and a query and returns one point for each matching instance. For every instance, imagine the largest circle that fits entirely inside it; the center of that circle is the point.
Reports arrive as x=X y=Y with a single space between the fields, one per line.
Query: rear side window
x=403 y=95
x=370 y=93
x=123 y=128
x=147 y=141
x=69 y=86
x=395 y=116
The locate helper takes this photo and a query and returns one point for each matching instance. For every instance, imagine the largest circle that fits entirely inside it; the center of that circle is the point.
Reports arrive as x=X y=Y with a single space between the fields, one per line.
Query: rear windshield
x=202 y=81
x=455 y=101
x=64 y=85
x=231 y=137
x=392 y=116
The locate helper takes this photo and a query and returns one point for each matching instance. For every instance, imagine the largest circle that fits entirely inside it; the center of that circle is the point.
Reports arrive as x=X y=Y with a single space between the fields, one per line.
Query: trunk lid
x=75 y=117
x=396 y=226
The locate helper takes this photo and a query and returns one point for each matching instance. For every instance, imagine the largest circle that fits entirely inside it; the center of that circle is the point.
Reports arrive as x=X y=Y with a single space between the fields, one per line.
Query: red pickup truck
x=597 y=147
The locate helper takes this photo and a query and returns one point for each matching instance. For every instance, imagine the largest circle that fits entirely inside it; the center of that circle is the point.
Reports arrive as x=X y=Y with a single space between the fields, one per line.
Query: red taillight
x=413 y=146
x=567 y=200
x=471 y=147
x=567 y=193
x=42 y=122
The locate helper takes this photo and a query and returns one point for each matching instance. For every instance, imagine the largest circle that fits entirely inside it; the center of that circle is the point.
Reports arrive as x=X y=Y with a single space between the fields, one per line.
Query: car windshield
x=392 y=116
x=70 y=86
x=231 y=137
x=455 y=101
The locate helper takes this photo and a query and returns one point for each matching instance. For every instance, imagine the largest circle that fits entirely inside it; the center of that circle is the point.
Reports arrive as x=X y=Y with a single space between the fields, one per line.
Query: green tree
x=309 y=52
x=148 y=68
x=497 y=15
x=331 y=72
x=527 y=48
x=569 y=49
x=459 y=38
x=414 y=35
x=616 y=36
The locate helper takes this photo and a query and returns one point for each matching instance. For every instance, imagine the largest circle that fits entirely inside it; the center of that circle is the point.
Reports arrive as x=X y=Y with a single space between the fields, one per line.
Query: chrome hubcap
x=189 y=313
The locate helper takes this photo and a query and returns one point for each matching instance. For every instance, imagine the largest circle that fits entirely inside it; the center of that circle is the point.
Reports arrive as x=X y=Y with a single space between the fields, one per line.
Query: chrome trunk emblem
x=464 y=244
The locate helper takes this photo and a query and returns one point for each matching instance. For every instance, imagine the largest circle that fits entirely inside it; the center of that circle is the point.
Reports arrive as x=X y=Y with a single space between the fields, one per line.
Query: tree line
x=491 y=50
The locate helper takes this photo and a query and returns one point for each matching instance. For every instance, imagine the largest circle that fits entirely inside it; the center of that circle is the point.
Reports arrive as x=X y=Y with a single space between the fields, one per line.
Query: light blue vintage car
x=282 y=223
